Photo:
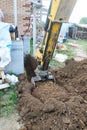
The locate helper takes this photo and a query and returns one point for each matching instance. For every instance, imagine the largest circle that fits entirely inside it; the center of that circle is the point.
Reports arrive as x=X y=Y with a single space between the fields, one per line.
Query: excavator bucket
x=42 y=76
x=30 y=65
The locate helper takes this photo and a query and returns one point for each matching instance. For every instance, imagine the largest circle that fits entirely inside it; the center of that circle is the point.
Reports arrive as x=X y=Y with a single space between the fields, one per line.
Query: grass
x=31 y=46
x=1 y=94
x=56 y=65
x=8 y=97
x=84 y=44
x=8 y=101
x=69 y=52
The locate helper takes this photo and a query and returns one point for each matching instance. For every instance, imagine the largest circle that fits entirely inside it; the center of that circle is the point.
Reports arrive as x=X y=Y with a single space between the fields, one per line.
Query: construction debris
x=3 y=86
x=61 y=47
x=12 y=79
x=7 y=80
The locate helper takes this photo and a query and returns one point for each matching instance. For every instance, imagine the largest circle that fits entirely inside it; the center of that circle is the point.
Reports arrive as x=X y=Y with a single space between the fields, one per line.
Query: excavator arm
x=59 y=12
x=52 y=38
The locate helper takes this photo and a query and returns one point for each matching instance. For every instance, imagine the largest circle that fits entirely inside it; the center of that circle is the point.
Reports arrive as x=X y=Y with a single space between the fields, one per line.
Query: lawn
x=8 y=101
x=83 y=43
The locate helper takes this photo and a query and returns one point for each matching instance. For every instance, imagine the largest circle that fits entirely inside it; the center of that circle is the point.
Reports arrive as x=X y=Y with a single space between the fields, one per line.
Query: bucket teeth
x=42 y=78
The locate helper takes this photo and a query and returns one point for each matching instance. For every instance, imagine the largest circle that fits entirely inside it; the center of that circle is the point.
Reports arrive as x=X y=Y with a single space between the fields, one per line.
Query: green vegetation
x=8 y=101
x=83 y=20
x=31 y=46
x=69 y=52
x=56 y=65
x=83 y=43
x=80 y=42
x=1 y=94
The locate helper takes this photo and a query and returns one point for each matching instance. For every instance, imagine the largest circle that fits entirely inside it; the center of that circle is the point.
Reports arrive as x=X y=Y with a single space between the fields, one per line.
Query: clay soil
x=61 y=105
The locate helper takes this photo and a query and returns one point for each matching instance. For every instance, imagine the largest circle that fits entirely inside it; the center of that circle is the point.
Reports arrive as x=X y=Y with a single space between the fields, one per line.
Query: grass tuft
x=8 y=101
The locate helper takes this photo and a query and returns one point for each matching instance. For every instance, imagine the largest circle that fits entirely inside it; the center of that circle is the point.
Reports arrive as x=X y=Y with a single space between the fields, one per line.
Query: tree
x=83 y=20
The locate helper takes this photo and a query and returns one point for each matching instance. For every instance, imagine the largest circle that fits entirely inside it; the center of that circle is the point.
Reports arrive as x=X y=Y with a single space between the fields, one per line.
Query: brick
x=8 y=10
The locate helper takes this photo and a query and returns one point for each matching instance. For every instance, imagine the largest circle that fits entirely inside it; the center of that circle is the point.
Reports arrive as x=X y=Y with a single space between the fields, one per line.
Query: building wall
x=78 y=32
x=7 y=8
x=23 y=15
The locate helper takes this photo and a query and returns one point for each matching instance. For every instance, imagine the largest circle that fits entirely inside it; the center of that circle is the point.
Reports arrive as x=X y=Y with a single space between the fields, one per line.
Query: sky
x=79 y=11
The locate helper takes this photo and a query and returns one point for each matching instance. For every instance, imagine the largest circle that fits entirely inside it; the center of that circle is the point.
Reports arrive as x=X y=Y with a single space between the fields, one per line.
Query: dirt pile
x=73 y=77
x=56 y=106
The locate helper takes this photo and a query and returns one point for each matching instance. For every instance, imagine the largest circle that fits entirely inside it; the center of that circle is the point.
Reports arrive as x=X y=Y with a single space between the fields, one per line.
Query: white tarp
x=5 y=44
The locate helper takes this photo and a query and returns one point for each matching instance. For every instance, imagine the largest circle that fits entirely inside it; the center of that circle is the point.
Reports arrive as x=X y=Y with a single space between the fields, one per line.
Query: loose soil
x=55 y=106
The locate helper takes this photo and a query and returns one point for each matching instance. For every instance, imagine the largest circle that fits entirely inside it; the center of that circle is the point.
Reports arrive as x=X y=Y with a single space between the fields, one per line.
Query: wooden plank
x=3 y=86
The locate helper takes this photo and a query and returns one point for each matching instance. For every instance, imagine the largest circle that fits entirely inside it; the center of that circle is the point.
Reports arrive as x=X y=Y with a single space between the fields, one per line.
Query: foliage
x=8 y=101
x=84 y=44
x=69 y=52
x=31 y=46
x=1 y=94
x=83 y=20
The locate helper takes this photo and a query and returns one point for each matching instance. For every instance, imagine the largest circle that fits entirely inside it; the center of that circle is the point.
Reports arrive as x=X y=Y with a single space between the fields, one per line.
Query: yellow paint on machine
x=54 y=7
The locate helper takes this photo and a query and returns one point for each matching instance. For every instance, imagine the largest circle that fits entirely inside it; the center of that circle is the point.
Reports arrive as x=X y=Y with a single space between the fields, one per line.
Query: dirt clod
x=56 y=106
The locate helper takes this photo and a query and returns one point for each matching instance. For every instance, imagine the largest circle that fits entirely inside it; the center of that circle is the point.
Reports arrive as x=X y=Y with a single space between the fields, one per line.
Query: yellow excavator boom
x=59 y=12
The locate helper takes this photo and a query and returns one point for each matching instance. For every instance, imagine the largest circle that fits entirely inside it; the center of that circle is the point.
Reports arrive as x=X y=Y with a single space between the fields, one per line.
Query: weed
x=83 y=43
x=31 y=46
x=69 y=52
x=1 y=94
x=56 y=65
x=8 y=101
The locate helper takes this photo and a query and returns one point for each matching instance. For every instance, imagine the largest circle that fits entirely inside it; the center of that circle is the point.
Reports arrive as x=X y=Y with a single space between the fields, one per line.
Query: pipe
x=34 y=30
x=15 y=12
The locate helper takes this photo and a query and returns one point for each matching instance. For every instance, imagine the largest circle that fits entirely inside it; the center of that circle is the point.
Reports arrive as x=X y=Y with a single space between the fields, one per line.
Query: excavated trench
x=55 y=106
